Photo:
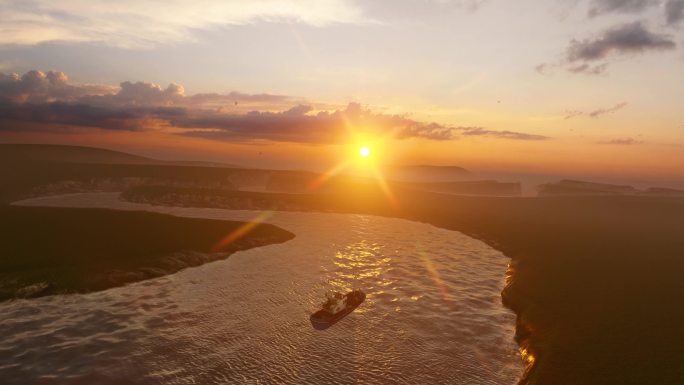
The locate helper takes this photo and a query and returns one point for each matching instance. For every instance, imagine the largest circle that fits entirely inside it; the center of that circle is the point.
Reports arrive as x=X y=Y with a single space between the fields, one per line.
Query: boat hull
x=323 y=319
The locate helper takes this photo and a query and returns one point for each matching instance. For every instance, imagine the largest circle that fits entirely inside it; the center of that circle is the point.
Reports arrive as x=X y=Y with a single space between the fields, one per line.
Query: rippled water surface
x=433 y=313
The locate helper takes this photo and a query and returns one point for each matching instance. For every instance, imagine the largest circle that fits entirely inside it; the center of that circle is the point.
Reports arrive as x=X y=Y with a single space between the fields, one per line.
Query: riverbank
x=64 y=250
x=595 y=281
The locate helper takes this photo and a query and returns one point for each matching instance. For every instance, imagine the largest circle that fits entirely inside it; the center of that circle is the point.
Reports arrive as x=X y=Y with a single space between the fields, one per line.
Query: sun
x=364 y=151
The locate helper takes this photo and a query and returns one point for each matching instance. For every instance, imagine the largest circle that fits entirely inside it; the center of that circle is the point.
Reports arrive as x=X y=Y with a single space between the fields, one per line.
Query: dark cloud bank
x=623 y=39
x=674 y=12
x=589 y=56
x=40 y=101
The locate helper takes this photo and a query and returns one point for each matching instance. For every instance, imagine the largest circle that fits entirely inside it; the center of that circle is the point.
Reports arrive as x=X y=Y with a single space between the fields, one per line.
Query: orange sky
x=585 y=88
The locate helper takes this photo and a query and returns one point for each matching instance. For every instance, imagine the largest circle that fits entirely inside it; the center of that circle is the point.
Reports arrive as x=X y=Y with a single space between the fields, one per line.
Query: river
x=433 y=313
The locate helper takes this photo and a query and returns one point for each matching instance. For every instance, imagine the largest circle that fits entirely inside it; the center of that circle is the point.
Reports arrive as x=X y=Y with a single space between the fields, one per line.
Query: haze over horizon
x=585 y=88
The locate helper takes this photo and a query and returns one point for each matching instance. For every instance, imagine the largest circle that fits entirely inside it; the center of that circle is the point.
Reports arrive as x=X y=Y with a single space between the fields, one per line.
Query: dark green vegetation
x=64 y=250
x=596 y=282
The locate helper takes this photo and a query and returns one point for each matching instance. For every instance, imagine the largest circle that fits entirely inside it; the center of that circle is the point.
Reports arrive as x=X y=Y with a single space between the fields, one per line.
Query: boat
x=335 y=308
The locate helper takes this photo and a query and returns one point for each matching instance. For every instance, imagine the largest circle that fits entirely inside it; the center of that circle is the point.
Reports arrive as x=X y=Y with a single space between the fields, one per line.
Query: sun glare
x=364 y=151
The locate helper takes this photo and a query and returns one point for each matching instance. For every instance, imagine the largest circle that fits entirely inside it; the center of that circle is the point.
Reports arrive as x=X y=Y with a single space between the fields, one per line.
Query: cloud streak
x=595 y=114
x=602 y=7
x=143 y=23
x=622 y=142
x=603 y=111
x=513 y=135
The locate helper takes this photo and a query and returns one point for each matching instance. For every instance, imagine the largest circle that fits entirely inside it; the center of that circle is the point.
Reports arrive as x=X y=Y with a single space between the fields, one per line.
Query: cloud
x=581 y=68
x=38 y=86
x=602 y=111
x=601 y=7
x=624 y=39
x=144 y=23
x=292 y=125
x=150 y=94
x=54 y=86
x=481 y=131
x=544 y=68
x=674 y=11
x=139 y=94
x=588 y=69
x=297 y=125
x=632 y=38
x=48 y=102
x=622 y=141
x=597 y=113
x=570 y=114
x=60 y=116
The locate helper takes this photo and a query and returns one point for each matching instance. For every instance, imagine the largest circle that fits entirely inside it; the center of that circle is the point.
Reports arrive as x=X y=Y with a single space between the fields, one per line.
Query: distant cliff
x=426 y=173
x=578 y=188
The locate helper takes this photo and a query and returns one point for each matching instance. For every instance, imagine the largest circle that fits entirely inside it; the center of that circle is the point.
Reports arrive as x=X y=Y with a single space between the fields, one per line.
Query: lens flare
x=241 y=231
x=318 y=182
x=434 y=273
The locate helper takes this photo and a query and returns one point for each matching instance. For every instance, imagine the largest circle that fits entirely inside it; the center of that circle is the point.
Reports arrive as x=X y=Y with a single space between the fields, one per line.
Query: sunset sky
x=563 y=87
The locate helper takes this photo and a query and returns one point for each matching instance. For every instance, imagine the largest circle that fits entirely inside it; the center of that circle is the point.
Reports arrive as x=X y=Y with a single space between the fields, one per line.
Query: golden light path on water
x=432 y=315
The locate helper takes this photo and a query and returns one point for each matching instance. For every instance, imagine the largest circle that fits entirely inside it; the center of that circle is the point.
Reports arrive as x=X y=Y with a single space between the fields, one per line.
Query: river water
x=433 y=312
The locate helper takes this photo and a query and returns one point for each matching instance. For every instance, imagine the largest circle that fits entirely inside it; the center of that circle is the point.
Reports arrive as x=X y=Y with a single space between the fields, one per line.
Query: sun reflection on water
x=360 y=265
x=527 y=356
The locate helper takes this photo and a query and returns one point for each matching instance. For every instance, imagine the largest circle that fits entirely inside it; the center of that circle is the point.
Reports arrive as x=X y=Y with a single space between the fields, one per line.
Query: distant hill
x=80 y=154
x=35 y=169
x=68 y=154
x=426 y=173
